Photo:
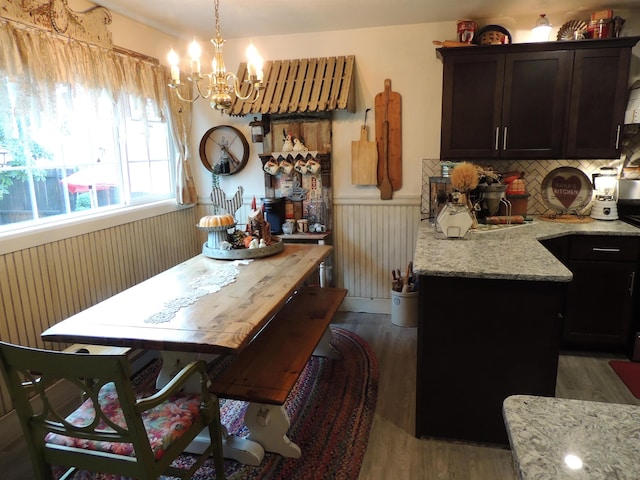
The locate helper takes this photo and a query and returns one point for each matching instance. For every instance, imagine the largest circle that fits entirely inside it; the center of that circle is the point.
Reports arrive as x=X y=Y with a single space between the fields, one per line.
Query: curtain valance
x=47 y=59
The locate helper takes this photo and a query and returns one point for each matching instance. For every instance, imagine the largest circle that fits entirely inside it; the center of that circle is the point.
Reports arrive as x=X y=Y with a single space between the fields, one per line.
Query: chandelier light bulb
x=254 y=62
x=194 y=52
x=173 y=60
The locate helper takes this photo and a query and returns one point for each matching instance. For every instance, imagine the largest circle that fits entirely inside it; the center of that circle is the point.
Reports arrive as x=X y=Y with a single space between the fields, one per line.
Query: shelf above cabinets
x=535 y=101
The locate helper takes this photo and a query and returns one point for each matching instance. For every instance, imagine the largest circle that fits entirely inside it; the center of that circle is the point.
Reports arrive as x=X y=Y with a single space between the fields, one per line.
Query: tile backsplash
x=534 y=173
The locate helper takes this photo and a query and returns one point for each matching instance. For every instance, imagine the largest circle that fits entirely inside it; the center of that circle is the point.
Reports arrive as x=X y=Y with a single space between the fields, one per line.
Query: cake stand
x=217 y=235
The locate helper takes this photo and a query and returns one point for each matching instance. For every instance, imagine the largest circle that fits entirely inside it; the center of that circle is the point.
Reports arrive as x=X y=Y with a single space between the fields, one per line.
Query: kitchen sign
x=567 y=189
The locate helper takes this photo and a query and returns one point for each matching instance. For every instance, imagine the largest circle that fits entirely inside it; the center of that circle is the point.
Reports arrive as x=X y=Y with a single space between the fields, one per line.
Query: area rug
x=330 y=408
x=629 y=373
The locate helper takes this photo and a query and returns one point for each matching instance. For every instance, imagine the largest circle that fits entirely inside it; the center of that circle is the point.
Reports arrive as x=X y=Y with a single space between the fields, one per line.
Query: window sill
x=41 y=234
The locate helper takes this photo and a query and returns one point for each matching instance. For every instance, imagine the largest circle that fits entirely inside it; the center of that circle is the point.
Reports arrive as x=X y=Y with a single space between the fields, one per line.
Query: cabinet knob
x=618 y=137
x=497 y=138
x=504 y=139
x=633 y=281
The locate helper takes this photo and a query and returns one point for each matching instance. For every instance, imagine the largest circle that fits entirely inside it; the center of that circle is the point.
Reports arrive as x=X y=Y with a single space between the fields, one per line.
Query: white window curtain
x=44 y=59
x=180 y=126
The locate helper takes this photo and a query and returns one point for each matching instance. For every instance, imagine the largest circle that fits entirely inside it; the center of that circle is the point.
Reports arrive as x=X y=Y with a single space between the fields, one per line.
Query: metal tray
x=244 y=253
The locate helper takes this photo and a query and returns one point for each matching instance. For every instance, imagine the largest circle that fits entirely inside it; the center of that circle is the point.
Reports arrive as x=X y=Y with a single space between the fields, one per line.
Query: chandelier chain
x=217 y=16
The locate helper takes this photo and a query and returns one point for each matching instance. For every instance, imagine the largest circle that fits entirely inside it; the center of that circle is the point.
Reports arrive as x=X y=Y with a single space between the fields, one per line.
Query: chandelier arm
x=209 y=88
x=255 y=89
x=177 y=91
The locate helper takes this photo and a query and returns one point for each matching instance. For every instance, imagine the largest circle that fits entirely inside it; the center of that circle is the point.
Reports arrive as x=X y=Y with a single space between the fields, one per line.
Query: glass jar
x=599 y=29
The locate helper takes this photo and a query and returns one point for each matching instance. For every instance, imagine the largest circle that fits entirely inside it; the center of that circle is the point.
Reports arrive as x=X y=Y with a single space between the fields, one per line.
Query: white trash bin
x=404 y=308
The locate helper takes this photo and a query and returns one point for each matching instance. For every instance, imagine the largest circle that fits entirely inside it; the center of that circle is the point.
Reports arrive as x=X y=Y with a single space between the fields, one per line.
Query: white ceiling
x=247 y=18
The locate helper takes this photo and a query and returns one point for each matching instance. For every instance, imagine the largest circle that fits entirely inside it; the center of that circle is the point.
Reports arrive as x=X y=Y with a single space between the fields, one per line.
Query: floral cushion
x=164 y=424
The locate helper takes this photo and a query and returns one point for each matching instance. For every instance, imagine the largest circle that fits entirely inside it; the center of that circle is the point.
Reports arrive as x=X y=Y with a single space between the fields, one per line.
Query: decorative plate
x=492 y=35
x=567 y=189
x=573 y=30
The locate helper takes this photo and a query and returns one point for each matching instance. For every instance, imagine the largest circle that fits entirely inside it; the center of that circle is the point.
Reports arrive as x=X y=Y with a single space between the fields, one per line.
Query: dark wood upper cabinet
x=533 y=104
x=536 y=100
x=471 y=105
x=599 y=91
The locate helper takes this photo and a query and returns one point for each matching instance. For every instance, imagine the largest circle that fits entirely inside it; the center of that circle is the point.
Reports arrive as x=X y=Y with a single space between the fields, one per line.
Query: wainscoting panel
x=371 y=239
x=45 y=284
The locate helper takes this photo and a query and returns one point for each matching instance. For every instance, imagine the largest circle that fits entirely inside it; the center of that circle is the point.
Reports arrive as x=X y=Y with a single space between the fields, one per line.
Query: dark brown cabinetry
x=479 y=341
x=600 y=298
x=599 y=306
x=504 y=105
x=599 y=92
x=549 y=100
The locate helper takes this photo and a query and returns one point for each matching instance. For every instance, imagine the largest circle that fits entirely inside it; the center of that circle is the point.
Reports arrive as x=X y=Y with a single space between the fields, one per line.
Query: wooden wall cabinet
x=535 y=101
x=599 y=92
x=314 y=130
x=504 y=105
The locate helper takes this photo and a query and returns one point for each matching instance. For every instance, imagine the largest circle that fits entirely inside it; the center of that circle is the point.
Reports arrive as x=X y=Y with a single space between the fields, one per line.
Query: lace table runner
x=211 y=282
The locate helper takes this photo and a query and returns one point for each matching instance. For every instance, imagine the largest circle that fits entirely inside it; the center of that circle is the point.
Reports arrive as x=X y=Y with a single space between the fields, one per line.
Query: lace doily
x=211 y=282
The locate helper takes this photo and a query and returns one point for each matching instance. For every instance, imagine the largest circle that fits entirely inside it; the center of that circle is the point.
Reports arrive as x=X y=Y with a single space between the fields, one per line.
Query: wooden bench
x=267 y=369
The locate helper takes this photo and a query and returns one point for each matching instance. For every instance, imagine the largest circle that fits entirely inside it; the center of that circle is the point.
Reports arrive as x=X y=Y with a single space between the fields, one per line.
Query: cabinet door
x=471 y=106
x=533 y=107
x=599 y=305
x=598 y=100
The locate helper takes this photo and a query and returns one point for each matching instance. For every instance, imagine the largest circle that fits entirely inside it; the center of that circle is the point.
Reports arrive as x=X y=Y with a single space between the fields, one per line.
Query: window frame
x=127 y=75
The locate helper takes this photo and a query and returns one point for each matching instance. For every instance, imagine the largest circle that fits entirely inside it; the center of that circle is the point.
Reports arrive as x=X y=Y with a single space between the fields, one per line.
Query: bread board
x=388 y=106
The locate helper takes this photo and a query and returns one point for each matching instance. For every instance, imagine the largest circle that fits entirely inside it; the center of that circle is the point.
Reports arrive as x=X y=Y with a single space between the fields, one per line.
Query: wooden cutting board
x=364 y=160
x=388 y=104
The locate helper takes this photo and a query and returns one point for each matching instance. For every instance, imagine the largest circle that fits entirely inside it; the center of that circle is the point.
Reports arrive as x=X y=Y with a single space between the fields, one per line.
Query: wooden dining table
x=196 y=310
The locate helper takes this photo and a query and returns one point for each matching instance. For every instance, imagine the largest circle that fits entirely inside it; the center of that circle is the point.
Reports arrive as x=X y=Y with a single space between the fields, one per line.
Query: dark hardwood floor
x=393 y=451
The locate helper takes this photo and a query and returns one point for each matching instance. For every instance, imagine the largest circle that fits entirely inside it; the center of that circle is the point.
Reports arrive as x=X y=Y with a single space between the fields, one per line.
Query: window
x=77 y=158
x=83 y=128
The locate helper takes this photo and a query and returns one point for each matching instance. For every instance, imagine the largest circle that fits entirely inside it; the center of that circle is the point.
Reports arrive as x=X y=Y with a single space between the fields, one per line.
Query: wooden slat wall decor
x=45 y=284
x=301 y=86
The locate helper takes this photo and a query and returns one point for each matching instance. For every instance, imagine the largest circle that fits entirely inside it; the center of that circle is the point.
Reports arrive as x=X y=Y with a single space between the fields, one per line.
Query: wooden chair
x=112 y=431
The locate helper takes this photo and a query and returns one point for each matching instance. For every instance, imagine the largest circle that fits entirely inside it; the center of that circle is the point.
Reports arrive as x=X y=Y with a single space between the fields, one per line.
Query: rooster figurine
x=298 y=146
x=287 y=146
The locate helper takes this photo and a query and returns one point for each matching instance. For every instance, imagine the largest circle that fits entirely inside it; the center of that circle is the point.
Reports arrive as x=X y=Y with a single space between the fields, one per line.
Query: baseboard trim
x=366 y=305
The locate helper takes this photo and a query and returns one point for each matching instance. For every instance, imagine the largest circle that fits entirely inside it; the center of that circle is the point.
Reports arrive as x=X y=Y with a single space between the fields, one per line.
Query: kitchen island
x=557 y=439
x=489 y=324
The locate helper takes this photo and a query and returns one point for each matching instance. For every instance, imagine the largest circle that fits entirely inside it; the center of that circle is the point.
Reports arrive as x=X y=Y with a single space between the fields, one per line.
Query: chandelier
x=219 y=85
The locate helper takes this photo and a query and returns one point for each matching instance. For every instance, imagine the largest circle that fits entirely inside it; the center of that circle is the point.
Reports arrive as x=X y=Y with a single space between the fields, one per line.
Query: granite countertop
x=547 y=435
x=510 y=252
